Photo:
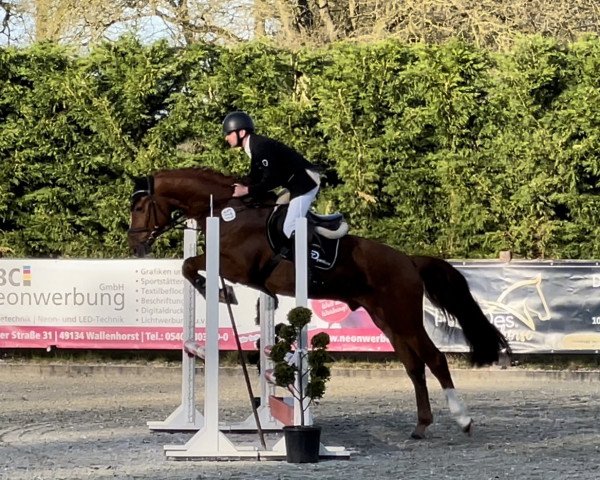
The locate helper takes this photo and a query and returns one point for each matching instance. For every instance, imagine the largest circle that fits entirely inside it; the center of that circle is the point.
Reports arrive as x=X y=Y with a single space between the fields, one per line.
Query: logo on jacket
x=265 y=162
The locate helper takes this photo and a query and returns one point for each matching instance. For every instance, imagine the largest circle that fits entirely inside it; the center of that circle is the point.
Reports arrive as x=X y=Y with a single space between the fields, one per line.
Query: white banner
x=114 y=304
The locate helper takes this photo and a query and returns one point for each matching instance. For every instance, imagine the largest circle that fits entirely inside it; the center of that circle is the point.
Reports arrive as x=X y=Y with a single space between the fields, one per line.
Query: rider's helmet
x=237 y=121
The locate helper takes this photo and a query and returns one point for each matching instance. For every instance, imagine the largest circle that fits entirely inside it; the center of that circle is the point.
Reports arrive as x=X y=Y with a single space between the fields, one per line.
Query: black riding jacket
x=273 y=164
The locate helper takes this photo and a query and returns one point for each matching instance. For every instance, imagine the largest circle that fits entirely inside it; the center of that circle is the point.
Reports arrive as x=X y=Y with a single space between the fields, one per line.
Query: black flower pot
x=302 y=443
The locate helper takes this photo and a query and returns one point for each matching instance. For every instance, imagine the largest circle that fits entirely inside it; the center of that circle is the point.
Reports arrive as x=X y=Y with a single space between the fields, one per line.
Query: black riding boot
x=288 y=251
x=288 y=248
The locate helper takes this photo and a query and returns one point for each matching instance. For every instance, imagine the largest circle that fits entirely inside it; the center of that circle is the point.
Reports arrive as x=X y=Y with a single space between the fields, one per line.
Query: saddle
x=324 y=233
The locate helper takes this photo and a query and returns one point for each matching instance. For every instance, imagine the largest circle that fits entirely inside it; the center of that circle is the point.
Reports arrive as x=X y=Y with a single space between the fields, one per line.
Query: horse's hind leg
x=437 y=363
x=415 y=368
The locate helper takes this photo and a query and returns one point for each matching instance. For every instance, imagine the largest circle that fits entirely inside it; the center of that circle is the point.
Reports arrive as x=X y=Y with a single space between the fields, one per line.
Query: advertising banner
x=138 y=304
x=540 y=306
x=106 y=304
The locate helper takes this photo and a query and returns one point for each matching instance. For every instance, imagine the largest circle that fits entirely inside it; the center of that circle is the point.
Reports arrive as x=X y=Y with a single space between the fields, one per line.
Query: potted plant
x=303 y=370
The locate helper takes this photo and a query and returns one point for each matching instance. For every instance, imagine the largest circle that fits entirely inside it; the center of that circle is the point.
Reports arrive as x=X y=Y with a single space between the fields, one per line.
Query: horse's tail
x=448 y=290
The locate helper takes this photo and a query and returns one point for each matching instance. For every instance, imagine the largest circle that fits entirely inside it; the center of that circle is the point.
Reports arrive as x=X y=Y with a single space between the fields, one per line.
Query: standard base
x=208 y=447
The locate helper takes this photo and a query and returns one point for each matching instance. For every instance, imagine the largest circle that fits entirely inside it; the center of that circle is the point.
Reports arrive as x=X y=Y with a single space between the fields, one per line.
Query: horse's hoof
x=418 y=433
x=201 y=291
x=200 y=286
x=227 y=295
x=468 y=430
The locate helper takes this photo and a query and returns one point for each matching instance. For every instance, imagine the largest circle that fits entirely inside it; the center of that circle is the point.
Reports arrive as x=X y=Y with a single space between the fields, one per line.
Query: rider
x=272 y=165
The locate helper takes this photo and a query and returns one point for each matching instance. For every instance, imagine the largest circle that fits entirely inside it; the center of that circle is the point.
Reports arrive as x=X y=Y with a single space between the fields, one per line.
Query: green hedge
x=448 y=150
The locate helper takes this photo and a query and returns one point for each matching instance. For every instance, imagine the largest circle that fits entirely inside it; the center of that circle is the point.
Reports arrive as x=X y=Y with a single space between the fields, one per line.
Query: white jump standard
x=210 y=443
x=186 y=417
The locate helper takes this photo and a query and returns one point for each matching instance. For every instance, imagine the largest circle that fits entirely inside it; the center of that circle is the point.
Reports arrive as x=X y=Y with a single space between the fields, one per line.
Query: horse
x=388 y=284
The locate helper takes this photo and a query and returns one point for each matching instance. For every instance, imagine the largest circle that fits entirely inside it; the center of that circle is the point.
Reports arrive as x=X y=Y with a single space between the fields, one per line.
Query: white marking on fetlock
x=458 y=409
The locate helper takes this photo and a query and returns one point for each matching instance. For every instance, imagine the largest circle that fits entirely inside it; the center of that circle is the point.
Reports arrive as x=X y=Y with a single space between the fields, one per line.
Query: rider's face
x=232 y=137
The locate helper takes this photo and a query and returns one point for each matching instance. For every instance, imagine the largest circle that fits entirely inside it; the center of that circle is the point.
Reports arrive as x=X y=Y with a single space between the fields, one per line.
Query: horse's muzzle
x=142 y=250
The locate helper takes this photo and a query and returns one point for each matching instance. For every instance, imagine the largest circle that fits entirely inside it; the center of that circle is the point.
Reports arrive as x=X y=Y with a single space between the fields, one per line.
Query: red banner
x=169 y=338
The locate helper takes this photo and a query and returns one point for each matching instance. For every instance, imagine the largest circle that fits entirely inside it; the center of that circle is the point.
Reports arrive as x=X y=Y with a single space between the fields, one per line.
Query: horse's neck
x=194 y=194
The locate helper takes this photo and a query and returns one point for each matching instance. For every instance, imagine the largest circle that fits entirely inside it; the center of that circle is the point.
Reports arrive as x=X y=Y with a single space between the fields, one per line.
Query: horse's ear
x=139 y=182
x=143 y=184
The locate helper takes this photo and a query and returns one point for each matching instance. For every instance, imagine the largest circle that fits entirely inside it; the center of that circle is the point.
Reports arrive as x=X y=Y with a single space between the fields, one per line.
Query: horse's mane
x=201 y=173
x=213 y=177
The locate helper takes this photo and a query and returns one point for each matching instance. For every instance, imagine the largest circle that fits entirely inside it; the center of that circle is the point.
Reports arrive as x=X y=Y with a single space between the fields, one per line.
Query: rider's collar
x=246 y=144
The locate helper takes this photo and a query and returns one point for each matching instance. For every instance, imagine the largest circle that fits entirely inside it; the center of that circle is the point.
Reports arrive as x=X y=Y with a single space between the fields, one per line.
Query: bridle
x=176 y=220
x=145 y=188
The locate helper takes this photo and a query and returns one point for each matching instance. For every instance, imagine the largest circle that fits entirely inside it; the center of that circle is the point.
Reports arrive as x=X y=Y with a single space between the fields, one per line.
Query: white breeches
x=298 y=208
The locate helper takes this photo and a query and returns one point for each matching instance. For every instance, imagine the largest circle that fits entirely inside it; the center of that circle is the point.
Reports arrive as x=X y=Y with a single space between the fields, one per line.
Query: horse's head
x=151 y=215
x=161 y=201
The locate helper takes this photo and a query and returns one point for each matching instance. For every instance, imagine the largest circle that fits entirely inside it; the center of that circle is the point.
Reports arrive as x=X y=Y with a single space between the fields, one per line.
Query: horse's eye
x=138 y=209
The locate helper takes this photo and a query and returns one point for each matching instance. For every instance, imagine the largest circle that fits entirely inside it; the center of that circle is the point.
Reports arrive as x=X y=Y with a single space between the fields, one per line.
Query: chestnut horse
x=388 y=284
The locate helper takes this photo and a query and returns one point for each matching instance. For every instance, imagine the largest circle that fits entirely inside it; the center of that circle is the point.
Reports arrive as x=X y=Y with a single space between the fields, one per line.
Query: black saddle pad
x=323 y=252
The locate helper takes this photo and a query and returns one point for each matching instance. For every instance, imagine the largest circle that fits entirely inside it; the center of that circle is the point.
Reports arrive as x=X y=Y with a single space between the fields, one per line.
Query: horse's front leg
x=191 y=268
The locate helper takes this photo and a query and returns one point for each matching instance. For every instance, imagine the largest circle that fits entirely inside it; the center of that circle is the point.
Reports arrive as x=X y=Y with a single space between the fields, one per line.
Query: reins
x=178 y=219
x=247 y=204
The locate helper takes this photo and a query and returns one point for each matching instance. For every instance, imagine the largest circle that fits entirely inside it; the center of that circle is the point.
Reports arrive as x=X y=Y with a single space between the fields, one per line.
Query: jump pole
x=301 y=273
x=301 y=281
x=186 y=417
x=209 y=443
x=267 y=389
x=290 y=408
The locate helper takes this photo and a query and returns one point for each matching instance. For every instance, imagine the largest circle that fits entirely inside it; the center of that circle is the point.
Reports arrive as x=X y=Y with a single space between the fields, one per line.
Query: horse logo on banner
x=524 y=300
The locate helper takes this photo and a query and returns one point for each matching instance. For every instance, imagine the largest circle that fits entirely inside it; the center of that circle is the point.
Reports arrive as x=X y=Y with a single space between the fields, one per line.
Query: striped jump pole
x=186 y=417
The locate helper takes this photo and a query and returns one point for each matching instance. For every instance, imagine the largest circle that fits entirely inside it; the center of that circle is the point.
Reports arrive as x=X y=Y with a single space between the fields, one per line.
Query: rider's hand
x=239 y=190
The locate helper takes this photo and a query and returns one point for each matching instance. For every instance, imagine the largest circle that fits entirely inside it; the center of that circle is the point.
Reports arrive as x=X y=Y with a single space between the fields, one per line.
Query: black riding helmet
x=237 y=121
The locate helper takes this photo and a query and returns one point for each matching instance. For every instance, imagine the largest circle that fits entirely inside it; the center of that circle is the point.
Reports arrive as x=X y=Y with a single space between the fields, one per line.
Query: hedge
x=448 y=150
